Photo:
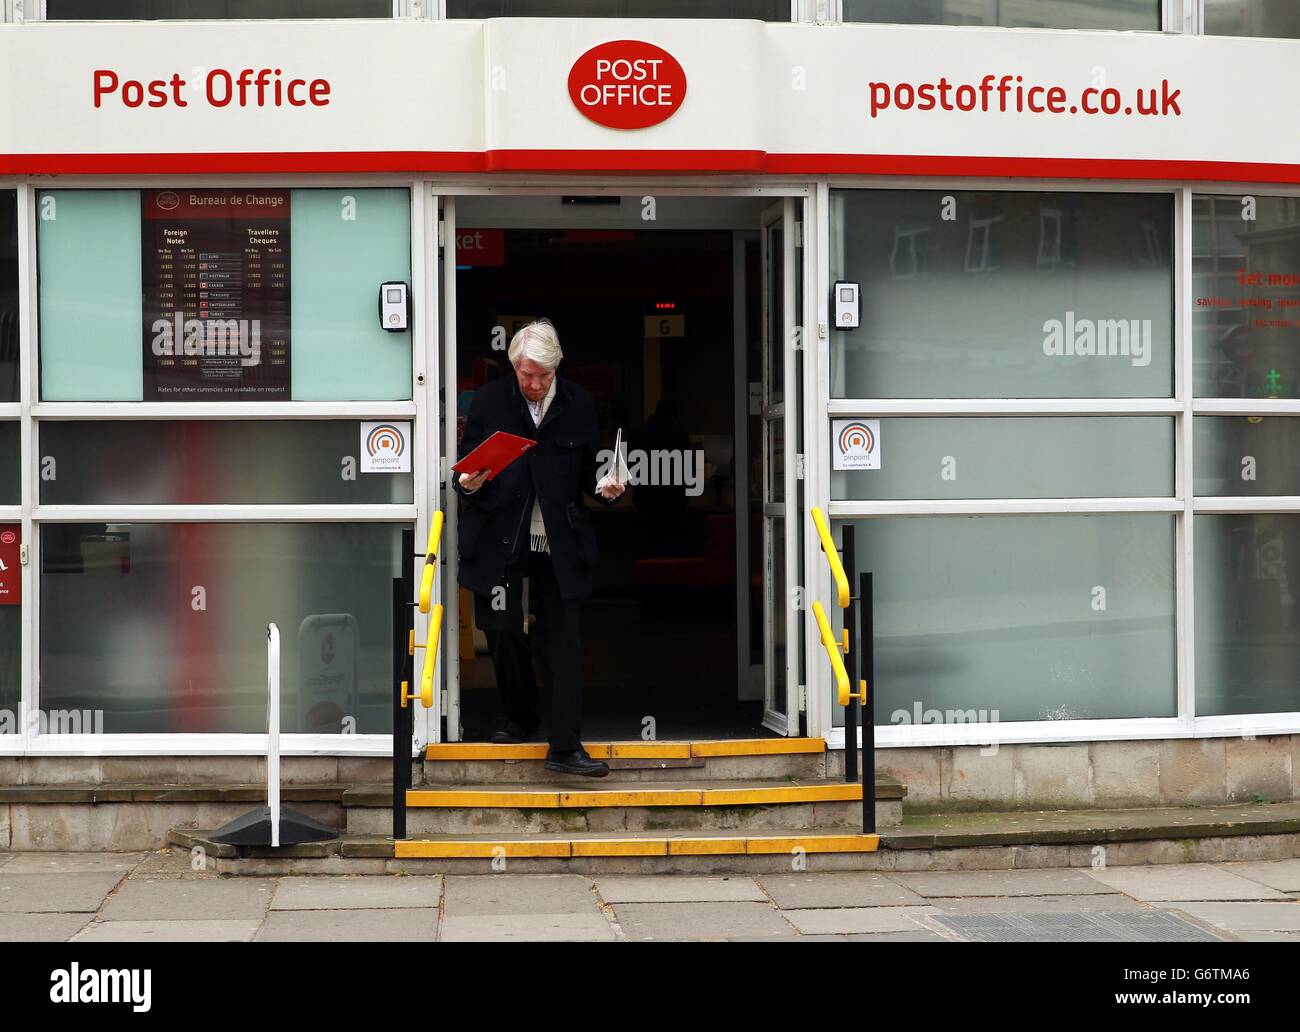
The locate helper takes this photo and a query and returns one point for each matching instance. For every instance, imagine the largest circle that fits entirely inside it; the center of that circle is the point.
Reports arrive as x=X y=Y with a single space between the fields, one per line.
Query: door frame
x=443 y=194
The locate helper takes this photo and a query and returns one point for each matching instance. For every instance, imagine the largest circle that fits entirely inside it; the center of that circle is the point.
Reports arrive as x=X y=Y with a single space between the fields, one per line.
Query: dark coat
x=493 y=525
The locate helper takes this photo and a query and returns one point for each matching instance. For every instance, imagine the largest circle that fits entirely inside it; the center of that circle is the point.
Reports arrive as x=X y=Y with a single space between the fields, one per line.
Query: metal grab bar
x=832 y=557
x=832 y=646
x=430 y=562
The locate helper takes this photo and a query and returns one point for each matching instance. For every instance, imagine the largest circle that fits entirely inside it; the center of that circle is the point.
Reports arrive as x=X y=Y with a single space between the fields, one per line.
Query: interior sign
x=385 y=447
x=856 y=443
x=11 y=575
x=627 y=84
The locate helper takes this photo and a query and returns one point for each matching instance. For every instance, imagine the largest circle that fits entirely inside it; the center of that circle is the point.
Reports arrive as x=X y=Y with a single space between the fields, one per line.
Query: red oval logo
x=8 y=537
x=627 y=84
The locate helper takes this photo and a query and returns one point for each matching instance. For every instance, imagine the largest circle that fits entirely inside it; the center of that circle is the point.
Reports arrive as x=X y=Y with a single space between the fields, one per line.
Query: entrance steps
x=716 y=798
x=931 y=842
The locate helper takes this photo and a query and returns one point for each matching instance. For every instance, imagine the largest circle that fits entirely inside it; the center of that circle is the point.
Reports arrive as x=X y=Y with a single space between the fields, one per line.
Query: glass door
x=781 y=508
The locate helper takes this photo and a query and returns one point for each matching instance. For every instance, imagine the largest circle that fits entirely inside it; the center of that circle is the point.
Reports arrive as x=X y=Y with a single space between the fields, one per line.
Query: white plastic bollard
x=273 y=730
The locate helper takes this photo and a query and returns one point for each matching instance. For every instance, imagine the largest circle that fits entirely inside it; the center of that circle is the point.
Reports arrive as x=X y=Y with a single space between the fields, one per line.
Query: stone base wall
x=1080 y=775
x=192 y=770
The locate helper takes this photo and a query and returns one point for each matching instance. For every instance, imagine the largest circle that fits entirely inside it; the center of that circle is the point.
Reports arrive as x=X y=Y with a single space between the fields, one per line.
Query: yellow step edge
x=550 y=799
x=565 y=848
x=416 y=849
x=619 y=847
x=452 y=751
x=758 y=747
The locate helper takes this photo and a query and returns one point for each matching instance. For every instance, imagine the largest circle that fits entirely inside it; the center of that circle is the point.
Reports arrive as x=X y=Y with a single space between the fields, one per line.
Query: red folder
x=494 y=454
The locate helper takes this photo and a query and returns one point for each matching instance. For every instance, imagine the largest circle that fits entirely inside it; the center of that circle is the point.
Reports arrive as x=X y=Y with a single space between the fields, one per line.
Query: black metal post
x=851 y=663
x=866 y=648
x=403 y=722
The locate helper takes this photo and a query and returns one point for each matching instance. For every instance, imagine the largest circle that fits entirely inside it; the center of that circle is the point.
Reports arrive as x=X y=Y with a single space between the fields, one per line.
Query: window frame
x=421 y=410
x=1183 y=505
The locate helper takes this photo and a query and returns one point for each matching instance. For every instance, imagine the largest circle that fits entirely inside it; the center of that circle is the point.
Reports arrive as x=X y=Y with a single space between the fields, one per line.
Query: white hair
x=538 y=341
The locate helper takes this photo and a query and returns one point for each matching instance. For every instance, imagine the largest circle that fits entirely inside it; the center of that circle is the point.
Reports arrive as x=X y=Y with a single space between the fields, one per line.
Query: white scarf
x=537 y=539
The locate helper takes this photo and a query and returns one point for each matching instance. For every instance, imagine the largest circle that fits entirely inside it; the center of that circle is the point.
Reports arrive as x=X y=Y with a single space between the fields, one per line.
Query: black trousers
x=557 y=643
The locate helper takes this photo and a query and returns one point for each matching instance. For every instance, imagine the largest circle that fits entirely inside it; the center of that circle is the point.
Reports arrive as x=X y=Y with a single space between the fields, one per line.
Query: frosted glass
x=1017 y=457
x=981 y=614
x=1245 y=455
x=1049 y=14
x=231 y=462
x=1004 y=295
x=1247 y=572
x=343 y=244
x=121 y=630
x=1277 y=18
x=1246 y=306
x=10 y=464
x=90 y=295
x=340 y=353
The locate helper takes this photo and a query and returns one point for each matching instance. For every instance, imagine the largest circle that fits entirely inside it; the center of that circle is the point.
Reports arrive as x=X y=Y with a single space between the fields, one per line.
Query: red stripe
x=633 y=161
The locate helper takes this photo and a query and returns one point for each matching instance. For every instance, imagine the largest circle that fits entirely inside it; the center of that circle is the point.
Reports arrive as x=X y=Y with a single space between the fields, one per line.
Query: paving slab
x=1161 y=882
x=1254 y=917
x=169 y=931
x=786 y=938
x=41 y=927
x=837 y=889
x=364 y=892
x=673 y=888
x=1283 y=875
x=172 y=864
x=71 y=863
x=80 y=892
x=569 y=927
x=1268 y=936
x=1045 y=882
x=856 y=920
x=231 y=899
x=700 y=920
x=485 y=895
x=1112 y=902
x=902 y=937
x=350 y=926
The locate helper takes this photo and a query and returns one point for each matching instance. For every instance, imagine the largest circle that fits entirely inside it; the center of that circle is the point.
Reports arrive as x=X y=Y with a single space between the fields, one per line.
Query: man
x=531 y=522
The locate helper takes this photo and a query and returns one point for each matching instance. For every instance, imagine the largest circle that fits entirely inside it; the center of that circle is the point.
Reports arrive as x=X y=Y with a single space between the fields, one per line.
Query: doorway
x=667 y=323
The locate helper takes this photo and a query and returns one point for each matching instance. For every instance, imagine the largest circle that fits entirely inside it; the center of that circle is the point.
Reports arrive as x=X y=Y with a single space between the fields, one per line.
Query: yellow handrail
x=832 y=647
x=430 y=660
x=832 y=557
x=430 y=562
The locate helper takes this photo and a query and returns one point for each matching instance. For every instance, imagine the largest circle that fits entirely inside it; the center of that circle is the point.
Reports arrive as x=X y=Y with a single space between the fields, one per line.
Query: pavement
x=162 y=897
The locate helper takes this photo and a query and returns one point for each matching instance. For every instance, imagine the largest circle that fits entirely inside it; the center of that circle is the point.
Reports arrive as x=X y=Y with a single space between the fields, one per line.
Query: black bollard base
x=254 y=829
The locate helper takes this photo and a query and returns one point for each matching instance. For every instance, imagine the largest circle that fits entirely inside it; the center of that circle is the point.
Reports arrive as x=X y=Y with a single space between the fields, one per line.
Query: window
x=162 y=626
x=991 y=619
x=1017 y=457
x=1023 y=556
x=763 y=10
x=221 y=294
x=8 y=295
x=1247 y=613
x=1032 y=14
x=1252 y=18
x=216 y=462
x=988 y=319
x=1246 y=318
x=10 y=487
x=154 y=10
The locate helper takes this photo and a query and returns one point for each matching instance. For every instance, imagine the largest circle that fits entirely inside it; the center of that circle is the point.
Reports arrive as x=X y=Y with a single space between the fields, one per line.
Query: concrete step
x=934 y=842
x=593 y=805
x=461 y=763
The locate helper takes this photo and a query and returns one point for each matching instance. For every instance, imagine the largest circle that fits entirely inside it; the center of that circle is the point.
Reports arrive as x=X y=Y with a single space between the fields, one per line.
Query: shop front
x=1021 y=306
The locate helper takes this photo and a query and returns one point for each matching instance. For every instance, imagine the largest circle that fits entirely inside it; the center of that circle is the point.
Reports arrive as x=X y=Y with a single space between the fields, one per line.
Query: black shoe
x=513 y=734
x=576 y=761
